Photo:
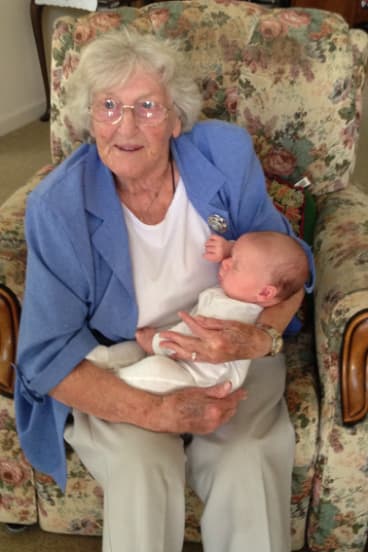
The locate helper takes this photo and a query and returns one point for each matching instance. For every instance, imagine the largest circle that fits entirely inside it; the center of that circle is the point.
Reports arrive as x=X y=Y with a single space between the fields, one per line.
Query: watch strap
x=277 y=341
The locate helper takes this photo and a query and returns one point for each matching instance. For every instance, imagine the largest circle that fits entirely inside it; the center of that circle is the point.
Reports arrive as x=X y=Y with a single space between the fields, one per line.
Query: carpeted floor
x=22 y=152
x=33 y=539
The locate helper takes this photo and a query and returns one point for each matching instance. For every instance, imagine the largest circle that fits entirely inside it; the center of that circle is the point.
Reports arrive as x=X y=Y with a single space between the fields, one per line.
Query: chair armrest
x=341 y=254
x=354 y=368
x=12 y=275
x=12 y=242
x=9 y=325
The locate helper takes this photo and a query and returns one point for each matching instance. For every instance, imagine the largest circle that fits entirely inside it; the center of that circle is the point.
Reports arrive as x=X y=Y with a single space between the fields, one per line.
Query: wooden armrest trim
x=9 y=326
x=354 y=368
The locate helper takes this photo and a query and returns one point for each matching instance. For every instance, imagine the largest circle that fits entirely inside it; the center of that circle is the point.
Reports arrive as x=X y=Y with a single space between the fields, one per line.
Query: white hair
x=111 y=59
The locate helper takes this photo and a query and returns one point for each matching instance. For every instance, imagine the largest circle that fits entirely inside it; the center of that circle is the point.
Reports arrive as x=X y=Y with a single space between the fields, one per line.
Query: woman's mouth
x=129 y=148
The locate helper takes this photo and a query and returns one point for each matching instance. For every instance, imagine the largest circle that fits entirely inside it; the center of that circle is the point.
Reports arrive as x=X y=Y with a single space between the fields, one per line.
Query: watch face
x=277 y=341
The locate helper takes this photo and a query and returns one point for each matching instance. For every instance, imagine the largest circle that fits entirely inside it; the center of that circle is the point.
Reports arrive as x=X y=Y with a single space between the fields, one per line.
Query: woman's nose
x=127 y=122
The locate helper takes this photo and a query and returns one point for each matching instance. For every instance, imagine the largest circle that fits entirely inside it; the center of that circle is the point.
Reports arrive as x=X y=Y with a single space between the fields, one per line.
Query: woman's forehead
x=139 y=81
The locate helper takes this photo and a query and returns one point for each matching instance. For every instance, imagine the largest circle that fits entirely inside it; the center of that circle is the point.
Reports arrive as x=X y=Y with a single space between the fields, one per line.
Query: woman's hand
x=198 y=410
x=216 y=341
x=192 y=410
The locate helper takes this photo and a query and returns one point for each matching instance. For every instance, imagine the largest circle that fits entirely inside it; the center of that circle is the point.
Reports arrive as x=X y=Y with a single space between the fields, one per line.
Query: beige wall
x=22 y=97
x=21 y=91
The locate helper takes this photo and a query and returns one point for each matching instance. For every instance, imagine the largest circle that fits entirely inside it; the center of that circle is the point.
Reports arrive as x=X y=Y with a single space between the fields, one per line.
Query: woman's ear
x=177 y=127
x=91 y=129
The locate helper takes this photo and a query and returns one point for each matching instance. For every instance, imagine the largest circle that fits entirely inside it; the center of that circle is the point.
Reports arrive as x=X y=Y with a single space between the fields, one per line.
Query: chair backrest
x=292 y=77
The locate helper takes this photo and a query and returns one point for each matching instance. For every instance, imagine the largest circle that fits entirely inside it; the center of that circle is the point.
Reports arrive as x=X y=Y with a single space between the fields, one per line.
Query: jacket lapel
x=204 y=183
x=109 y=233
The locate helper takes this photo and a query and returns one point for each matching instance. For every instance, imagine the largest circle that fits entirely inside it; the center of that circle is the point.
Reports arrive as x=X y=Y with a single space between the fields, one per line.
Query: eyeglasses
x=146 y=112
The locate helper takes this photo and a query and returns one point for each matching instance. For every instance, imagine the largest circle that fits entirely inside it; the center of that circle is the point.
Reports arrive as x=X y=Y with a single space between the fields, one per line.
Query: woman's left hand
x=215 y=340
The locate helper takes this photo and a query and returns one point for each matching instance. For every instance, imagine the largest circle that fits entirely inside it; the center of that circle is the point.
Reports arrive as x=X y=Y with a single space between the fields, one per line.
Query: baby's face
x=242 y=275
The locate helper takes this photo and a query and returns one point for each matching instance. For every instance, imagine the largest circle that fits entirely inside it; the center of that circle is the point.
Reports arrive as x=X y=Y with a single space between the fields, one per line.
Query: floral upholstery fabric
x=17 y=490
x=294 y=78
x=340 y=493
x=242 y=54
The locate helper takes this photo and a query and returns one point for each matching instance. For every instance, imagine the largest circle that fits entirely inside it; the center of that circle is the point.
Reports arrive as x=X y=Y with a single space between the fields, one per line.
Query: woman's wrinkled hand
x=199 y=410
x=216 y=341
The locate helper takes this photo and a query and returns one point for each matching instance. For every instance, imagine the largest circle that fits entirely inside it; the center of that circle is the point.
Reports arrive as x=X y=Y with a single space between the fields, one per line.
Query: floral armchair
x=294 y=79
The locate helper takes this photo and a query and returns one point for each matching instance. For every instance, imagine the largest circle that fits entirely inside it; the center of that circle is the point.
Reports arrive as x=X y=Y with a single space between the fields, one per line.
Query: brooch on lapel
x=217 y=223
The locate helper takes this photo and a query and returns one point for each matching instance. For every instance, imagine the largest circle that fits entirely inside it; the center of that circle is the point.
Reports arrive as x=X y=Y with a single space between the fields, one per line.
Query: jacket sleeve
x=54 y=335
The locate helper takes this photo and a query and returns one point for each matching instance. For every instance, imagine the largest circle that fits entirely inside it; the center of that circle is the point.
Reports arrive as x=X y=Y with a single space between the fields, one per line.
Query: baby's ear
x=267 y=294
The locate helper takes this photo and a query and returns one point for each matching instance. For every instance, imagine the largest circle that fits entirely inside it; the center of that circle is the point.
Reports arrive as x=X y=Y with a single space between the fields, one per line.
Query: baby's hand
x=217 y=248
x=144 y=338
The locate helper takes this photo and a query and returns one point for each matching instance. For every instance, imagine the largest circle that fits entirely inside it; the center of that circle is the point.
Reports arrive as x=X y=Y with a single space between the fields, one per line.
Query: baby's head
x=264 y=268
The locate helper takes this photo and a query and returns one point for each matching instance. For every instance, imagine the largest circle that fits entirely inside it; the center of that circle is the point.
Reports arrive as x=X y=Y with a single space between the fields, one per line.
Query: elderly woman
x=115 y=240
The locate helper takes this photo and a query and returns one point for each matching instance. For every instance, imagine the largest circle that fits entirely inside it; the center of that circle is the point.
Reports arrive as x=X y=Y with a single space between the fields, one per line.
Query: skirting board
x=13 y=121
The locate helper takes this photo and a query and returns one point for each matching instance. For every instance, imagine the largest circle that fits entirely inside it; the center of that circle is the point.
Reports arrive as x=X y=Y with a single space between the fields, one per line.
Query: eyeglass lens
x=112 y=111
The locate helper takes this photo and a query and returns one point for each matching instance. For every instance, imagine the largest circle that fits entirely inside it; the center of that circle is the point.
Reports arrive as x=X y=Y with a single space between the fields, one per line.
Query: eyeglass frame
x=142 y=122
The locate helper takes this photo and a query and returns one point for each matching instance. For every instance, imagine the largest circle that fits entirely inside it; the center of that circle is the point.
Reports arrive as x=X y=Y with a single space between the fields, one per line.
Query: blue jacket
x=79 y=278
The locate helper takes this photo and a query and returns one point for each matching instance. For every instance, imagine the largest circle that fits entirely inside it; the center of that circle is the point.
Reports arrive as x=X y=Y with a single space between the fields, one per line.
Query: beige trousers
x=242 y=473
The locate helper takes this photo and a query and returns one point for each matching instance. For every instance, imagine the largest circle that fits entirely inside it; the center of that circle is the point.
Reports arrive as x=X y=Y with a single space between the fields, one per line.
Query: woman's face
x=132 y=150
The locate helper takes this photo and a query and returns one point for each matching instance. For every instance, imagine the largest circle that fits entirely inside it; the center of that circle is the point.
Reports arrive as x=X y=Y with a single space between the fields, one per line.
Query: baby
x=258 y=270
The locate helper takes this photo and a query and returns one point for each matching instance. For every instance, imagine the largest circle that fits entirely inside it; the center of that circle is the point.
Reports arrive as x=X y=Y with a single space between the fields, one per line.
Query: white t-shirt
x=169 y=270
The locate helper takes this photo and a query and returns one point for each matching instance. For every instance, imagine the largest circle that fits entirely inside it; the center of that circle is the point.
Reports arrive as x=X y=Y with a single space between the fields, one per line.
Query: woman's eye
x=147 y=104
x=109 y=104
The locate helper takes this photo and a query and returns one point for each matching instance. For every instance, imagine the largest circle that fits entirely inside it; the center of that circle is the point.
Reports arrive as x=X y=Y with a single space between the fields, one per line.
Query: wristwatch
x=277 y=341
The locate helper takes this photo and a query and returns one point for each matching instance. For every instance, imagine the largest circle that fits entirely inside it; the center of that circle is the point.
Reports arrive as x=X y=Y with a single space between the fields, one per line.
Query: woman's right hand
x=101 y=393
x=199 y=410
